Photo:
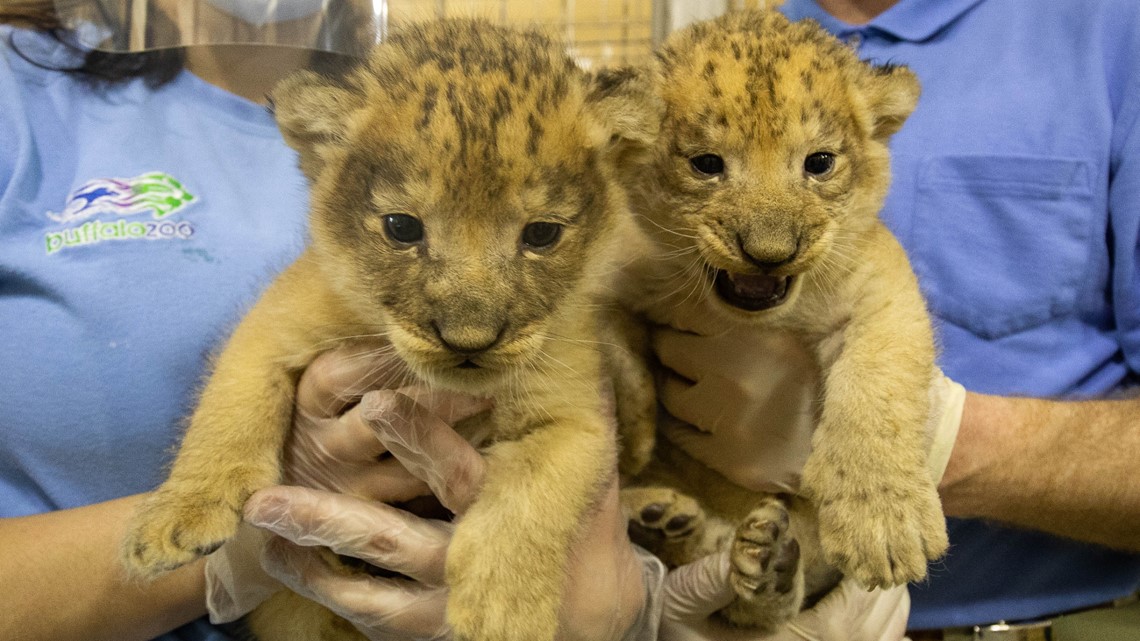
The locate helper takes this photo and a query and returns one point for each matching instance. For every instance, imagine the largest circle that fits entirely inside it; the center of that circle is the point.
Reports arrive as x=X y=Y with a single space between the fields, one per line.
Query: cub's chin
x=468 y=376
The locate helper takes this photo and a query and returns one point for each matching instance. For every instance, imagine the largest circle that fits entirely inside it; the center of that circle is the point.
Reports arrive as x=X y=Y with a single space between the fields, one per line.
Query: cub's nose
x=769 y=255
x=468 y=341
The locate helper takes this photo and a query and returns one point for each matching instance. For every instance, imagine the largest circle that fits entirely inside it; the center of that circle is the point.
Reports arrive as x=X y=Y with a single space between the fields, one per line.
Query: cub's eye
x=819 y=164
x=708 y=164
x=403 y=228
x=541 y=235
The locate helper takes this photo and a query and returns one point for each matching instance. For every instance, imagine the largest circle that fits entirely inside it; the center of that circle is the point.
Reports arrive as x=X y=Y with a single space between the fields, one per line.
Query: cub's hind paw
x=765 y=570
x=662 y=513
x=169 y=531
x=665 y=522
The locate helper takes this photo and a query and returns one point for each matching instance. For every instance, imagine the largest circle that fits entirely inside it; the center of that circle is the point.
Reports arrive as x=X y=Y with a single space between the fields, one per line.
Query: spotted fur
x=474 y=133
x=762 y=241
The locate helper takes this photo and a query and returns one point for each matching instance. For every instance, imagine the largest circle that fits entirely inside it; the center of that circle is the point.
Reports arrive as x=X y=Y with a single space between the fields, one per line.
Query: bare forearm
x=1067 y=468
x=61 y=580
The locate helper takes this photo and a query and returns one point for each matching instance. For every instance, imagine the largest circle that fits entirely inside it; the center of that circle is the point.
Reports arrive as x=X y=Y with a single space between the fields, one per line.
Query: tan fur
x=763 y=94
x=477 y=131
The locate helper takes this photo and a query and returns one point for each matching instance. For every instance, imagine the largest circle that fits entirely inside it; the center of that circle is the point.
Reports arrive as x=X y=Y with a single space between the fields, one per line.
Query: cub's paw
x=171 y=529
x=484 y=617
x=881 y=531
x=498 y=591
x=665 y=522
x=765 y=570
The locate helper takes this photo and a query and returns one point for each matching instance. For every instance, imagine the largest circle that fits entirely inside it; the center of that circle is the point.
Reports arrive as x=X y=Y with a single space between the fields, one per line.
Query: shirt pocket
x=1002 y=242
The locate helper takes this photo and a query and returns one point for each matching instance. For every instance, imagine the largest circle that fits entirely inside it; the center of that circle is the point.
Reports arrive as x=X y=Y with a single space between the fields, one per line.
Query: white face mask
x=263 y=12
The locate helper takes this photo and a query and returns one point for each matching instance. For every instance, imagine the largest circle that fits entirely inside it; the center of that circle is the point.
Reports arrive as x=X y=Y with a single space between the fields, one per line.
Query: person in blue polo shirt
x=1016 y=193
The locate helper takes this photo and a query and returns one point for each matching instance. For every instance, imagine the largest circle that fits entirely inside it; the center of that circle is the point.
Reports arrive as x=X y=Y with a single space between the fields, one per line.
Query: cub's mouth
x=752 y=292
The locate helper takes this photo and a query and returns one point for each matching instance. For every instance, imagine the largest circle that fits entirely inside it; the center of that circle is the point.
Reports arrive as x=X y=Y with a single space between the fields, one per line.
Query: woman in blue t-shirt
x=135 y=226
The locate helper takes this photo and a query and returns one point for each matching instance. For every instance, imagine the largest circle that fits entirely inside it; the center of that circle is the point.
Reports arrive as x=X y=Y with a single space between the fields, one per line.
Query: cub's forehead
x=757 y=71
x=472 y=90
x=468 y=113
x=473 y=48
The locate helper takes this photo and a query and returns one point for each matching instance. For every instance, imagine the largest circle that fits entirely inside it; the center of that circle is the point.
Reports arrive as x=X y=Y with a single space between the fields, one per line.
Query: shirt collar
x=911 y=20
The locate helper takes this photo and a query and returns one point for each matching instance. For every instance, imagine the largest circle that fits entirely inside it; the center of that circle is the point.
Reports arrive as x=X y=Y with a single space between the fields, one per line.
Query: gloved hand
x=381 y=608
x=602 y=600
x=849 y=612
x=330 y=447
x=743 y=403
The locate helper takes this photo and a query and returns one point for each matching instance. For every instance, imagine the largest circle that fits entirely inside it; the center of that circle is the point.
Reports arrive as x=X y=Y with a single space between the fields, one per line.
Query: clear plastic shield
x=339 y=26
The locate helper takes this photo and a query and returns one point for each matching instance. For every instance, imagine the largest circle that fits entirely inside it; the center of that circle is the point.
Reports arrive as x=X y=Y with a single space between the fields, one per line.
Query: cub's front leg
x=880 y=517
x=625 y=340
x=507 y=561
x=234 y=441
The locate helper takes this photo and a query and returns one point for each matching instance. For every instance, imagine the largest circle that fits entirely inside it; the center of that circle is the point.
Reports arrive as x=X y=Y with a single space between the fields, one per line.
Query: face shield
x=347 y=27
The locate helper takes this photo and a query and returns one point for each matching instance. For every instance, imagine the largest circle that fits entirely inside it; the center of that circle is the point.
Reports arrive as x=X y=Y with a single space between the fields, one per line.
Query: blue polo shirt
x=1016 y=194
x=136 y=226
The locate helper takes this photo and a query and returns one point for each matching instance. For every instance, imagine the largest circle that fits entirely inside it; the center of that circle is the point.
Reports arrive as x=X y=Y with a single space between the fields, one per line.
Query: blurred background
x=598 y=31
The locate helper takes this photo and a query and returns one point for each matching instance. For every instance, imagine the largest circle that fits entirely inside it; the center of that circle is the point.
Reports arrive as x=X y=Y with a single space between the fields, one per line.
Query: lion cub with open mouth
x=762 y=205
x=465 y=209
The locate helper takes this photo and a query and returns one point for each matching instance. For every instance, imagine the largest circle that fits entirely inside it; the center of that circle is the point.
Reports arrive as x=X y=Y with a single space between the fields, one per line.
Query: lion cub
x=464 y=208
x=761 y=206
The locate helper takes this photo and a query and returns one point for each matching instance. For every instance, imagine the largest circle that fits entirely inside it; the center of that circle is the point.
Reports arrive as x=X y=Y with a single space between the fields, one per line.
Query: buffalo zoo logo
x=154 y=192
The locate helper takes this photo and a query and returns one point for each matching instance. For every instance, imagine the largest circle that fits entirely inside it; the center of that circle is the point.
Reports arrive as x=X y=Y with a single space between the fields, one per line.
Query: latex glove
x=744 y=403
x=602 y=600
x=381 y=608
x=330 y=447
x=849 y=612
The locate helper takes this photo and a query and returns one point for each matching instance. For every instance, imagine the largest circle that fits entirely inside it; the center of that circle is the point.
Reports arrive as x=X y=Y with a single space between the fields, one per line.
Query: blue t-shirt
x=1016 y=194
x=136 y=226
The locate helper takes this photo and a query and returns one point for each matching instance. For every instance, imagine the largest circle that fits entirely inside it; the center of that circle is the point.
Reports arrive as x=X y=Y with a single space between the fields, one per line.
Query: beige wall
x=599 y=31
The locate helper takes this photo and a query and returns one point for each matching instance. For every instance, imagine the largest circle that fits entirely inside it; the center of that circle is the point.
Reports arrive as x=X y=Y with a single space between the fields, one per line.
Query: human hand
x=693 y=592
x=330 y=447
x=750 y=396
x=744 y=401
x=301 y=522
x=605 y=588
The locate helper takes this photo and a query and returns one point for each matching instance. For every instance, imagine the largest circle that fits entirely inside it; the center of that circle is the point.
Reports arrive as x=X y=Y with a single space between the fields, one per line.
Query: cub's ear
x=626 y=106
x=312 y=112
x=892 y=93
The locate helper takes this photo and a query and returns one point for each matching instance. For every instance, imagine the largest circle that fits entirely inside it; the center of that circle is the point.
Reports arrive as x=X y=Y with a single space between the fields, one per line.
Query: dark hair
x=155 y=67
